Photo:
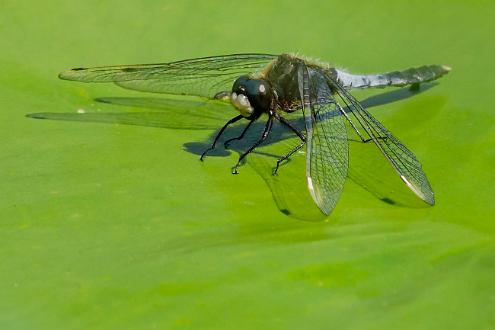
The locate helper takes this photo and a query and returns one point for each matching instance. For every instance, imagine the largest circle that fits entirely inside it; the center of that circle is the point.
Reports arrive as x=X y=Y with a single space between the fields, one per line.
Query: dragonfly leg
x=296 y=148
x=286 y=157
x=264 y=135
x=226 y=143
x=233 y=120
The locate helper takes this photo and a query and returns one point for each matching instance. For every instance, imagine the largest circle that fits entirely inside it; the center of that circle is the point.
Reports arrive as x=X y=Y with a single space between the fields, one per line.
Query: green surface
x=116 y=226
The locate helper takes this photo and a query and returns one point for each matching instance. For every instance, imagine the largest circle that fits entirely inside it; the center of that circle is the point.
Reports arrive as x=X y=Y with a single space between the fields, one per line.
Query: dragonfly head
x=251 y=97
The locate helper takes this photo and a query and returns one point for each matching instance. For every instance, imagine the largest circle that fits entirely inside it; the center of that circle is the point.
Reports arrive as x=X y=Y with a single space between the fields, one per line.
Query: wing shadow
x=289 y=190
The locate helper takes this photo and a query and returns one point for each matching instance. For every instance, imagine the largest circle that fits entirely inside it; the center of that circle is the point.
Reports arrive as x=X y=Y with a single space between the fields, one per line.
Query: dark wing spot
x=78 y=69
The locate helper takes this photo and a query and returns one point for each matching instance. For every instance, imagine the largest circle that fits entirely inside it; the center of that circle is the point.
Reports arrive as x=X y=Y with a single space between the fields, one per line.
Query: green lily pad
x=109 y=220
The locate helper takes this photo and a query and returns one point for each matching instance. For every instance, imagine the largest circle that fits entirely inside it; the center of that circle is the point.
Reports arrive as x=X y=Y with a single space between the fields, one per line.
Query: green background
x=117 y=226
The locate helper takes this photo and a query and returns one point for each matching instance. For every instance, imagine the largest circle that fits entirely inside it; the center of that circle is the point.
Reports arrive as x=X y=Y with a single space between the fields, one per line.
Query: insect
x=264 y=85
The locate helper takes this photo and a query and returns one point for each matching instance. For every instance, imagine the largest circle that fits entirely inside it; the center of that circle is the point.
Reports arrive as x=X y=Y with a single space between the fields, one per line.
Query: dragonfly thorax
x=251 y=97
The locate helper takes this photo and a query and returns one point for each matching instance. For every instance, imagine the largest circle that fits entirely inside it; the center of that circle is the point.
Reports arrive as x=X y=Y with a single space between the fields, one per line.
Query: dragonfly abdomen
x=395 y=78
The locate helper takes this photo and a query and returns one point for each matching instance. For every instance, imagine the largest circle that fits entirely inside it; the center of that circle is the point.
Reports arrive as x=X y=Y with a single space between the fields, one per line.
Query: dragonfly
x=271 y=86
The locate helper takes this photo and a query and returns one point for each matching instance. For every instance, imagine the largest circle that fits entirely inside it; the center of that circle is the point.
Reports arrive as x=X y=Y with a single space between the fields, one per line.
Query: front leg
x=233 y=120
x=226 y=143
x=264 y=135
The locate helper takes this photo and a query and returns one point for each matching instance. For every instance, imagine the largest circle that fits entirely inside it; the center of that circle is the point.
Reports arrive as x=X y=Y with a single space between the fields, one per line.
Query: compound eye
x=240 y=85
x=262 y=95
x=251 y=96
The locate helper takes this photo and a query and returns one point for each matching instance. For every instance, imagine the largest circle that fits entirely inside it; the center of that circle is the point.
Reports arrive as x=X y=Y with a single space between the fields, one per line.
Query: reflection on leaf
x=289 y=187
x=168 y=113
x=368 y=167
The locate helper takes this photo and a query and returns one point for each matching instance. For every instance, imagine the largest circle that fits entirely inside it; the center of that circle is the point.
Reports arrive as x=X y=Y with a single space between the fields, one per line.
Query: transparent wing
x=401 y=158
x=326 y=140
x=200 y=76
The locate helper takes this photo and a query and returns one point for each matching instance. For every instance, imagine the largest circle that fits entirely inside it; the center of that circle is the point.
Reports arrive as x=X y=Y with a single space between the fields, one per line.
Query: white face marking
x=241 y=102
x=262 y=88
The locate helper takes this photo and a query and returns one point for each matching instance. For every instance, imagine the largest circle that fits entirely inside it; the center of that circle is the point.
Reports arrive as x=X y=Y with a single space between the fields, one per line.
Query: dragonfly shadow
x=289 y=188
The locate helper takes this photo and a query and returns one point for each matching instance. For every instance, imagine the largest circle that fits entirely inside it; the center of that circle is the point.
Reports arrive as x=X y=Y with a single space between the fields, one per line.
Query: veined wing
x=200 y=76
x=401 y=158
x=326 y=139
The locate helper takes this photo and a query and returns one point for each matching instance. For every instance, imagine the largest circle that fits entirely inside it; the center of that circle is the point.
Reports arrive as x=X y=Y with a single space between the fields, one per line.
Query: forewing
x=401 y=158
x=200 y=76
x=326 y=140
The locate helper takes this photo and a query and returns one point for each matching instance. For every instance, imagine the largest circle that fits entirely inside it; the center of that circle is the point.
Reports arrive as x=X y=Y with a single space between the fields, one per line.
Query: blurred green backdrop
x=114 y=226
